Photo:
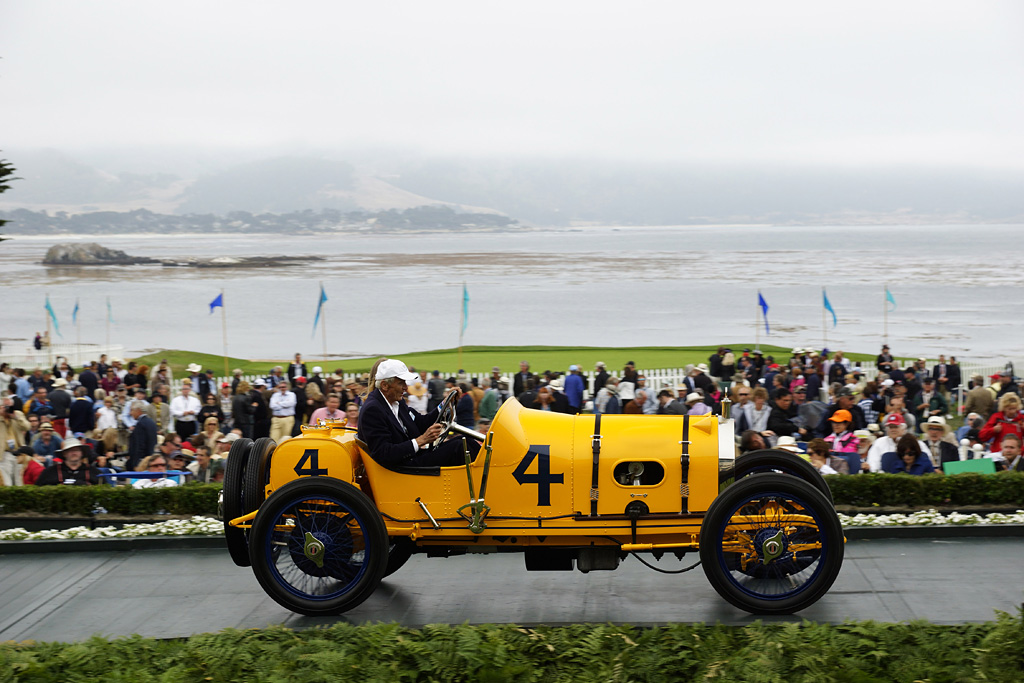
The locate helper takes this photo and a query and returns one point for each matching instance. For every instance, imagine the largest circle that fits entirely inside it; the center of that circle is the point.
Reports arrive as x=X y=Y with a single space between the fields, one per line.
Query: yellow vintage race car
x=321 y=523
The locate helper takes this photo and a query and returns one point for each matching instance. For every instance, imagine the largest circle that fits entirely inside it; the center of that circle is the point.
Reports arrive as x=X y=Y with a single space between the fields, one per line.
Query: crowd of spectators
x=72 y=426
x=872 y=425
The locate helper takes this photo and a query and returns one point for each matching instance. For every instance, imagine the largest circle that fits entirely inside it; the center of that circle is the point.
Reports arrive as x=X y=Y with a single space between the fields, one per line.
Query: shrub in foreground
x=861 y=652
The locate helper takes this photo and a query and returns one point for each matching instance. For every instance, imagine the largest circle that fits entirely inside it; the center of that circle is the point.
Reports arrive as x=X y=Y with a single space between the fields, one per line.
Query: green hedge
x=862 y=490
x=788 y=653
x=190 y=499
x=865 y=490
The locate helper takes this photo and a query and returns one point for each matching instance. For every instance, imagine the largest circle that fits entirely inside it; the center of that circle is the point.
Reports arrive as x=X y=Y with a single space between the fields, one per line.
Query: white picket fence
x=656 y=378
x=76 y=354
x=660 y=378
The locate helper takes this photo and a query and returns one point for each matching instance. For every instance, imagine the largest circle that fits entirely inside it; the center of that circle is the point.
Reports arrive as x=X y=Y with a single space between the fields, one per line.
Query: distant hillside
x=567 y=192
x=273 y=185
x=534 y=191
x=54 y=182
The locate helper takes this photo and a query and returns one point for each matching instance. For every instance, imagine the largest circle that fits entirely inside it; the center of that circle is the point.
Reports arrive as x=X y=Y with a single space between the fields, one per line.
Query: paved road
x=165 y=593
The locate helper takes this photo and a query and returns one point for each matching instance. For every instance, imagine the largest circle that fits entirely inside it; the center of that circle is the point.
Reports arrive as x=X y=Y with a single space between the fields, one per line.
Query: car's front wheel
x=318 y=546
x=771 y=544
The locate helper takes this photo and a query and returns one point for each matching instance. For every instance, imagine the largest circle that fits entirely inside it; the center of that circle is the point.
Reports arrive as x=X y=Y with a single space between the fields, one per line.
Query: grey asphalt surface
x=173 y=593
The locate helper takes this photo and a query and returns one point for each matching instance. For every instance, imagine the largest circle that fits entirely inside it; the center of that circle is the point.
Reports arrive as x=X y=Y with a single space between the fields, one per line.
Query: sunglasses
x=158 y=464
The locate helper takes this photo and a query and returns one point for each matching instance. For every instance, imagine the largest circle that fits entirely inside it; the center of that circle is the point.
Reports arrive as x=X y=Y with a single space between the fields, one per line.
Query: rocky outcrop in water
x=90 y=254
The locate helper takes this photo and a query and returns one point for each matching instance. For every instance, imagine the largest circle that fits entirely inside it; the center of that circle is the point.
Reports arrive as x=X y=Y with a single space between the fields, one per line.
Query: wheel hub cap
x=773 y=546
x=314 y=550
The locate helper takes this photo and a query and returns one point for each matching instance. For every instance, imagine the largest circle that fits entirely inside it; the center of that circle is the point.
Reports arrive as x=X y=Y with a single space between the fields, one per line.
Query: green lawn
x=483 y=358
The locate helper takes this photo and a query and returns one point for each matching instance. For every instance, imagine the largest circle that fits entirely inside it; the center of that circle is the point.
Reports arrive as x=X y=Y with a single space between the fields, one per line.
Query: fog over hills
x=534 y=190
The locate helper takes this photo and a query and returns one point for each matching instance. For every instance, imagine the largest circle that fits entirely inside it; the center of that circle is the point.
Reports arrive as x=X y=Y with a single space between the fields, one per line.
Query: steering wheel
x=445 y=416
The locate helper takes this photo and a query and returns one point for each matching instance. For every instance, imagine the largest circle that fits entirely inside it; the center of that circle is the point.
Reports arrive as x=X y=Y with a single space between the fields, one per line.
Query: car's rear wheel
x=234 y=478
x=257 y=470
x=771 y=544
x=779 y=461
x=318 y=546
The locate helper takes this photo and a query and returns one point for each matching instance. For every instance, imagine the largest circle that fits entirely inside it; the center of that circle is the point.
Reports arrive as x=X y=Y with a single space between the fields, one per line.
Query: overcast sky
x=909 y=82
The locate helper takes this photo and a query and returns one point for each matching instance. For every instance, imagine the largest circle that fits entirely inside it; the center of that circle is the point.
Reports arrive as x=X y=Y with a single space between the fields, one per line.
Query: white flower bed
x=208 y=526
x=197 y=526
x=931 y=518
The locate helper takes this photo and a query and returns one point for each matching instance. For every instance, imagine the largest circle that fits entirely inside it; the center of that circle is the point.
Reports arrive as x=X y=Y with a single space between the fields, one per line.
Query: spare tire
x=234 y=478
x=780 y=461
x=257 y=471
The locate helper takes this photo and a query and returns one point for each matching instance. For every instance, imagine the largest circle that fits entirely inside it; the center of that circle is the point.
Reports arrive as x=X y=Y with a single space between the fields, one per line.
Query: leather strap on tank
x=684 y=465
x=596 y=443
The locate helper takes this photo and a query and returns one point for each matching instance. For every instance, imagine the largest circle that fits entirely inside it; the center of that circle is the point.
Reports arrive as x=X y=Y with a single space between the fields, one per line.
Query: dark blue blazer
x=142 y=441
x=388 y=442
x=81 y=417
x=893 y=463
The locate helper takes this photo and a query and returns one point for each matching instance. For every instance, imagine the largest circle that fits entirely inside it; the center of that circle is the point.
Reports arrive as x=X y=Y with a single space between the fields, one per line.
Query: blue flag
x=219 y=301
x=74 y=314
x=888 y=297
x=319 y=307
x=828 y=306
x=110 y=313
x=465 y=306
x=764 y=310
x=53 y=316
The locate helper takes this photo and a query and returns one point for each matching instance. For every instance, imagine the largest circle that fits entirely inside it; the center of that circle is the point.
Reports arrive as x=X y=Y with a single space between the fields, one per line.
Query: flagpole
x=757 y=327
x=224 y=330
x=885 y=313
x=462 y=320
x=824 y=328
x=323 y=323
x=78 y=335
x=49 y=346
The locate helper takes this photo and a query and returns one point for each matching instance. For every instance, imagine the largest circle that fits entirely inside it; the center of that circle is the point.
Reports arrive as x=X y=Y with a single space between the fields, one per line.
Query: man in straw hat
x=394 y=433
x=74 y=471
x=47 y=444
x=938 y=441
x=417 y=397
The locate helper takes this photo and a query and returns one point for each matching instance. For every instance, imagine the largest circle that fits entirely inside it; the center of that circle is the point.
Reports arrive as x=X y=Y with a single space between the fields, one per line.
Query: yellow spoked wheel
x=318 y=546
x=771 y=544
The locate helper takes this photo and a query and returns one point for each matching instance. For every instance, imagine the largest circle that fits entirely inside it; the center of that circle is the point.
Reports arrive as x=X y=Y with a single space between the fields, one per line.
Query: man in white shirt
x=184 y=408
x=282 y=407
x=118 y=370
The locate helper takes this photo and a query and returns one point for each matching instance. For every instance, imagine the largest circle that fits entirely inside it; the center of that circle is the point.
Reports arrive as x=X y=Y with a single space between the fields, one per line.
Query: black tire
x=779 y=461
x=398 y=554
x=789 y=582
x=353 y=546
x=234 y=477
x=257 y=470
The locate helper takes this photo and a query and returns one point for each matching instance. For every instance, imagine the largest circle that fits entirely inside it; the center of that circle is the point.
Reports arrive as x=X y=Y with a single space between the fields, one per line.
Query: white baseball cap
x=394 y=368
x=317 y=370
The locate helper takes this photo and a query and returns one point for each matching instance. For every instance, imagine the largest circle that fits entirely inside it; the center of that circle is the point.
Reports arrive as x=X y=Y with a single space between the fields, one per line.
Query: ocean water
x=959 y=290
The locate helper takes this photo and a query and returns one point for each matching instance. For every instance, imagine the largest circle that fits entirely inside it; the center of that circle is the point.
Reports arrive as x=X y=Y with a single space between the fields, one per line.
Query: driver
x=394 y=433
